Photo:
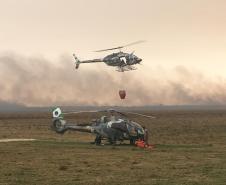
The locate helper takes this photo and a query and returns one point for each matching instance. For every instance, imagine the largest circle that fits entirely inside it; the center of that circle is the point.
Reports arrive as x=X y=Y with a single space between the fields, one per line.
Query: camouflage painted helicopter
x=113 y=128
x=123 y=61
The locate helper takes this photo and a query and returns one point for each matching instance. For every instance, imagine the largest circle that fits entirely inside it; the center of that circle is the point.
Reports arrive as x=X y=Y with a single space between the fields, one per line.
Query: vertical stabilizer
x=77 y=61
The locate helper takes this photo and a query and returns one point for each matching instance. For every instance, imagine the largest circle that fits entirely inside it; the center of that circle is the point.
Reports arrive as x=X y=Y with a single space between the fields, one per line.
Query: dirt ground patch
x=15 y=140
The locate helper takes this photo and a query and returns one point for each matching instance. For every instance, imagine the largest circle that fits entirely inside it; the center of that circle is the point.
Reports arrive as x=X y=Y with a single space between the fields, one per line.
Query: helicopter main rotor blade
x=133 y=43
x=79 y=112
x=138 y=114
x=110 y=111
x=120 y=47
x=91 y=111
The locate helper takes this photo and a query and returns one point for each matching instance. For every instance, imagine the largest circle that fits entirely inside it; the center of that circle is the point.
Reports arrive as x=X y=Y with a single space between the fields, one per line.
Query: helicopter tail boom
x=78 y=62
x=60 y=126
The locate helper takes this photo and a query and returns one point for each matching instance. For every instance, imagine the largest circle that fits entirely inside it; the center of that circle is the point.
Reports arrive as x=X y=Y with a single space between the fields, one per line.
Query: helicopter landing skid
x=125 y=68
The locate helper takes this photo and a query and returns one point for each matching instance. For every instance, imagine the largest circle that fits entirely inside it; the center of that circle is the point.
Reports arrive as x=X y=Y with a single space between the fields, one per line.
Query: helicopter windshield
x=137 y=127
x=134 y=128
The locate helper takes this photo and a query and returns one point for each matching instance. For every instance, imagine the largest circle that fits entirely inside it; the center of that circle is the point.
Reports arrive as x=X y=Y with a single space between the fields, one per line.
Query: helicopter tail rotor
x=77 y=61
x=59 y=125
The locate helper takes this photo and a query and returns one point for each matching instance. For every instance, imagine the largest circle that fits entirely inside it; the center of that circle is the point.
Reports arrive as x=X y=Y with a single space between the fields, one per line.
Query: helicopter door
x=119 y=126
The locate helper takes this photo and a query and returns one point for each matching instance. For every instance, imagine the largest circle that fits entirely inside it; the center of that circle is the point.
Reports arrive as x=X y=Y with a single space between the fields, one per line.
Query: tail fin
x=77 y=61
x=57 y=113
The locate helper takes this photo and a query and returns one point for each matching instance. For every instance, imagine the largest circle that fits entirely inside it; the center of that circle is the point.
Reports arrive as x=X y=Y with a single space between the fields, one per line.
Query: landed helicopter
x=115 y=127
x=123 y=61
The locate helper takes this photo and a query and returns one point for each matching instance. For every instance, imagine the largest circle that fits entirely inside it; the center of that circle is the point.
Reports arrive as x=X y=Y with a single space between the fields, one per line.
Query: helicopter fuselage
x=121 y=59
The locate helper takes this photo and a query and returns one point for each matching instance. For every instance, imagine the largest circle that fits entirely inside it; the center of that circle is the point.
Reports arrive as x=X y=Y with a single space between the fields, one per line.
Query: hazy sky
x=190 y=34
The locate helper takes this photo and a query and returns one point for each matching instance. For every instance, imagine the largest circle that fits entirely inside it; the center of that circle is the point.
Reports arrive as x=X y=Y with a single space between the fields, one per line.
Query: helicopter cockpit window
x=132 y=130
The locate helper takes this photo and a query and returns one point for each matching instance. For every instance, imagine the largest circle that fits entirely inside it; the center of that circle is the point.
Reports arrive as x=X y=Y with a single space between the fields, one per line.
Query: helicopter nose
x=139 y=60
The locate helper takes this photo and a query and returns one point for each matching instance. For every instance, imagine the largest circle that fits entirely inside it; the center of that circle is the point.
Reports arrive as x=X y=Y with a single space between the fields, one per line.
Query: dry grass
x=190 y=149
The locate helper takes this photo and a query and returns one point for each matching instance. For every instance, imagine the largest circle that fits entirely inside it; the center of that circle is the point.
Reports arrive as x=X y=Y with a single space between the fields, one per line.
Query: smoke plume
x=35 y=81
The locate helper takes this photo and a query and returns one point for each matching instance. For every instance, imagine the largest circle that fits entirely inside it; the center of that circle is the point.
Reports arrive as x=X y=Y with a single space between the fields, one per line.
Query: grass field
x=190 y=148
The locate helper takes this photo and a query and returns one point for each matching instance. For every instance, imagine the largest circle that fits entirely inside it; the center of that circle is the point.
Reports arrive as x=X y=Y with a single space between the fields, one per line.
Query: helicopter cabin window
x=123 y=59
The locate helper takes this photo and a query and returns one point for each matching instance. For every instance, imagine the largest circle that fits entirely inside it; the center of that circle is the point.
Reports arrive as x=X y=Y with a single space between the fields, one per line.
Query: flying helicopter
x=114 y=127
x=123 y=61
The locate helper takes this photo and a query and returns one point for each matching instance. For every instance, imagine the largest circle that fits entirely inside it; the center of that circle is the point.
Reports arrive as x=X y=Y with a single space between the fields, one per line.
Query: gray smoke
x=9 y=106
x=38 y=82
